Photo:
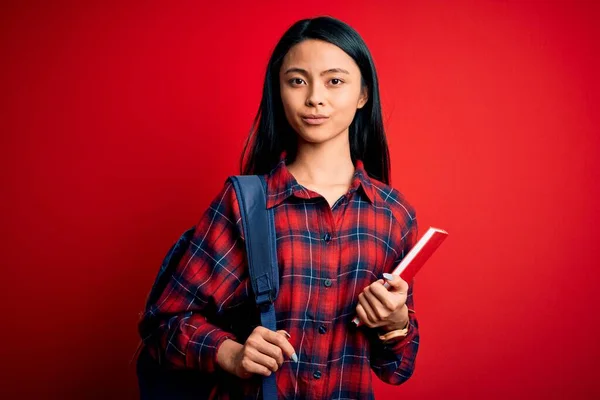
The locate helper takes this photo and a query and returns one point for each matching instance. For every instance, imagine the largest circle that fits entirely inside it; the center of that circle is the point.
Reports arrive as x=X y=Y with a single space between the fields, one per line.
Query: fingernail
x=388 y=277
x=294 y=358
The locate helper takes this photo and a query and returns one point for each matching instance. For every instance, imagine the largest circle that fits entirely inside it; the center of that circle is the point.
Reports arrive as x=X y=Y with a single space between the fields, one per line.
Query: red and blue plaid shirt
x=326 y=255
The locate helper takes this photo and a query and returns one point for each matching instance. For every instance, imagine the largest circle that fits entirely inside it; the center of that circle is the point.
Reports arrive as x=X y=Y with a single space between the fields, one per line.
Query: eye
x=296 y=81
x=336 y=82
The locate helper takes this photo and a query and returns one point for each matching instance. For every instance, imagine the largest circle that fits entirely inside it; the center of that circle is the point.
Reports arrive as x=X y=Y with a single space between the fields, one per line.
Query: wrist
x=226 y=354
x=400 y=323
x=396 y=332
x=395 y=326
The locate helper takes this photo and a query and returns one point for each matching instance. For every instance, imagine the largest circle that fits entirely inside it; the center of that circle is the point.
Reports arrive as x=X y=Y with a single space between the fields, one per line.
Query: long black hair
x=271 y=133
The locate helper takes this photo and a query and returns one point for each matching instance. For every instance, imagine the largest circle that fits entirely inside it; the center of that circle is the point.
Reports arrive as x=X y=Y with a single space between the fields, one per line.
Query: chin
x=315 y=135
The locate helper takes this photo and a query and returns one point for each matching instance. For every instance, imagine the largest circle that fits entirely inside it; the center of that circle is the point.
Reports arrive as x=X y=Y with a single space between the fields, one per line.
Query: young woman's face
x=321 y=90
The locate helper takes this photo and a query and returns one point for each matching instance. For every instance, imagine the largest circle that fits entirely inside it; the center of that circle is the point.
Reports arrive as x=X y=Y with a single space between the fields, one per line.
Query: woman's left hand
x=383 y=308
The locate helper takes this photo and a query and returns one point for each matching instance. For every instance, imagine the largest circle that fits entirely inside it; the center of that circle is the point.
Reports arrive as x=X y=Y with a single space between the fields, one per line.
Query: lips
x=317 y=119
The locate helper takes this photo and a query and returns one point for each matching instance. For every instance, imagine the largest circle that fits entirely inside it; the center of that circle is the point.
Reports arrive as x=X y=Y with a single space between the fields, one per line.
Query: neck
x=324 y=163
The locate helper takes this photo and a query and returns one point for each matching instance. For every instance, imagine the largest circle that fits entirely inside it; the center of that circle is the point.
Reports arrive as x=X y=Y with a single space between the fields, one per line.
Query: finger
x=256 y=342
x=270 y=350
x=281 y=342
x=381 y=281
x=284 y=333
x=263 y=359
x=369 y=314
x=252 y=367
x=379 y=309
x=384 y=296
x=397 y=284
x=362 y=315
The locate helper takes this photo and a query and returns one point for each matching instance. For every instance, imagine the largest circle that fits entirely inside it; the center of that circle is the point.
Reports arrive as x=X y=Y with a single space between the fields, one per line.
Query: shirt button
x=327 y=282
x=317 y=374
x=327 y=238
x=322 y=329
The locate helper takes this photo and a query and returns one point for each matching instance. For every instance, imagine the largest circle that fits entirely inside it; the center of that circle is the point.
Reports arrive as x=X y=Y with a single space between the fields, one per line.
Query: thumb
x=396 y=284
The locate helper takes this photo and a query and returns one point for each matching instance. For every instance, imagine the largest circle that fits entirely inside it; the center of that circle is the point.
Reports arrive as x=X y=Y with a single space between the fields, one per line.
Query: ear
x=364 y=97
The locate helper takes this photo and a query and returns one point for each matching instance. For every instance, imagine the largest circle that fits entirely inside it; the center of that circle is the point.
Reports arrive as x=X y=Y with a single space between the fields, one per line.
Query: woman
x=319 y=140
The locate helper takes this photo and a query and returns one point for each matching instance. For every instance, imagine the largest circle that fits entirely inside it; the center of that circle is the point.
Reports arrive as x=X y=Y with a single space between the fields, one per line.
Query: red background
x=120 y=122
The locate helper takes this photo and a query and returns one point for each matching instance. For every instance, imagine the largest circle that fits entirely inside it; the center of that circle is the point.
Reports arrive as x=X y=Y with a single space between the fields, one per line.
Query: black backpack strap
x=259 y=233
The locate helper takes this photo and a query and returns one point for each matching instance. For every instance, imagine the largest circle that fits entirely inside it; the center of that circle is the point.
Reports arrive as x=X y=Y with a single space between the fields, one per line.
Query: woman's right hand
x=262 y=353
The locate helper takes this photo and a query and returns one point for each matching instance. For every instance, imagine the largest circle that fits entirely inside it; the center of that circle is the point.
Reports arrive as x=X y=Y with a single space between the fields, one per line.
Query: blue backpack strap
x=261 y=247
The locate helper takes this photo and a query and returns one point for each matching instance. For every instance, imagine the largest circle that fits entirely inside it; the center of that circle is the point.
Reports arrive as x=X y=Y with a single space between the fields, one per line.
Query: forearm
x=227 y=353
x=187 y=341
x=393 y=361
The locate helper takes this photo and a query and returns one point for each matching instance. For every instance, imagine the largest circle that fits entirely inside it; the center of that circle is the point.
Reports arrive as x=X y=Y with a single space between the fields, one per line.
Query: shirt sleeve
x=394 y=361
x=180 y=329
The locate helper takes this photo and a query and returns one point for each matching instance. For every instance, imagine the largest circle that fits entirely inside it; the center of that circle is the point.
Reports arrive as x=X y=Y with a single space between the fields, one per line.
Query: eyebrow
x=329 y=71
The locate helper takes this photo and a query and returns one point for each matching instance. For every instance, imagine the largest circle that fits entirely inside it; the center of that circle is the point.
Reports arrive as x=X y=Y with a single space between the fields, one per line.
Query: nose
x=316 y=96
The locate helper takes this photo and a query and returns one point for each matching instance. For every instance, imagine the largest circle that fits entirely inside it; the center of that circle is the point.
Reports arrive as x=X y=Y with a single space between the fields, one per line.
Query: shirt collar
x=281 y=184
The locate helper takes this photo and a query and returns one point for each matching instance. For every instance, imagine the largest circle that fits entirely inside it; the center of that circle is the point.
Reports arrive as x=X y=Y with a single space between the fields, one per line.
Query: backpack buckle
x=264 y=291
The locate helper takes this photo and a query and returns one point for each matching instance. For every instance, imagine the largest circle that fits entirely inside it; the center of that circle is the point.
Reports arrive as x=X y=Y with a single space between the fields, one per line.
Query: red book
x=417 y=256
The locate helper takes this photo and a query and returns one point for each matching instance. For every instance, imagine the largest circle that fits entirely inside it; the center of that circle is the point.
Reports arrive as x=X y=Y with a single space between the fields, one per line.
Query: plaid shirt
x=326 y=255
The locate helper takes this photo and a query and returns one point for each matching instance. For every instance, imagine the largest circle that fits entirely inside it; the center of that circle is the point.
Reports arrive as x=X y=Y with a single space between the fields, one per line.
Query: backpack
x=156 y=381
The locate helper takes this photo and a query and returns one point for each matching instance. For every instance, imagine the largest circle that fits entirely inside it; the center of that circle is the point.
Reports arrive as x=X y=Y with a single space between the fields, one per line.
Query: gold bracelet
x=393 y=334
x=396 y=333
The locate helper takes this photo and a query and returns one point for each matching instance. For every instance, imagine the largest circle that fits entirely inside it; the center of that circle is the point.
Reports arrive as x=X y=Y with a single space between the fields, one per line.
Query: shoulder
x=223 y=211
x=394 y=200
x=225 y=198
